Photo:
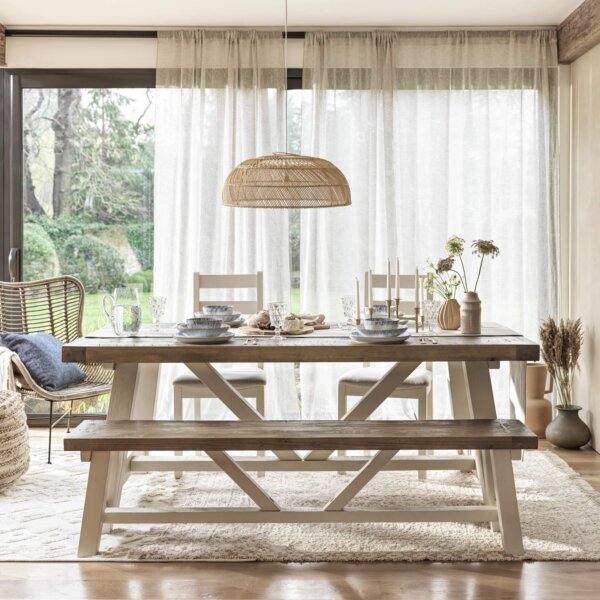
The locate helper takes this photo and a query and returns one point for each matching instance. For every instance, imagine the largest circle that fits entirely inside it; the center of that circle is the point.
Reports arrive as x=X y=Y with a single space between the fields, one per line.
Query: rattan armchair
x=53 y=306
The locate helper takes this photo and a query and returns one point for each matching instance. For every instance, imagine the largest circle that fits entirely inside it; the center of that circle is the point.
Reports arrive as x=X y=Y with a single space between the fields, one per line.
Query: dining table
x=137 y=360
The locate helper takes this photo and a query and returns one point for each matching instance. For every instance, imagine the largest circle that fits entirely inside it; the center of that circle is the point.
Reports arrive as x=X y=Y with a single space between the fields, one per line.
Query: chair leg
x=69 y=417
x=342 y=407
x=198 y=417
x=260 y=409
x=50 y=432
x=422 y=415
x=177 y=415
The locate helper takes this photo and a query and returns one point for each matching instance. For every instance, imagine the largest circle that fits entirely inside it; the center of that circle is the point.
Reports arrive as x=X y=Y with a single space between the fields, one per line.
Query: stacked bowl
x=203 y=329
x=225 y=312
x=381 y=329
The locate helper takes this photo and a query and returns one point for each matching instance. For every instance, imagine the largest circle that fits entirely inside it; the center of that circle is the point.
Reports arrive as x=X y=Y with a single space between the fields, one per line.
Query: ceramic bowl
x=218 y=309
x=204 y=323
x=379 y=334
x=381 y=324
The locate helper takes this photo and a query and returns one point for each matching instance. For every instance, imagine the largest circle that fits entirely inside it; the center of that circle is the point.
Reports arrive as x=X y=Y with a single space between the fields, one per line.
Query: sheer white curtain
x=219 y=100
x=438 y=133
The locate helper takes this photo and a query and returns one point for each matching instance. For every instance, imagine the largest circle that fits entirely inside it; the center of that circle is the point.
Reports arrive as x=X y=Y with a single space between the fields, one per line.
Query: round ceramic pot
x=567 y=430
x=470 y=314
x=449 y=315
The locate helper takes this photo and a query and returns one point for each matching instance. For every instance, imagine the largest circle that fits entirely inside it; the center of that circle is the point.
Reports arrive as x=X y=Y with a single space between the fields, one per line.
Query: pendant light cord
x=285 y=59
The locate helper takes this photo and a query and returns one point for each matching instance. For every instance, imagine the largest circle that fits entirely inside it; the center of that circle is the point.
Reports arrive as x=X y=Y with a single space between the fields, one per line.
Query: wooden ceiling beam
x=579 y=32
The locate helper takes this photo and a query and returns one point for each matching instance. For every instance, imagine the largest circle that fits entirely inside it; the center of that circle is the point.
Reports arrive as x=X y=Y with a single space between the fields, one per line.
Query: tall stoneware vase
x=539 y=409
x=449 y=315
x=470 y=314
x=567 y=430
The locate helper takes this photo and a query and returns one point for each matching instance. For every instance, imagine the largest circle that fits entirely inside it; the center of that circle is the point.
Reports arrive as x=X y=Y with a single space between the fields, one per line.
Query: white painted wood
x=93 y=509
x=232 y=399
x=358 y=482
x=508 y=509
x=371 y=400
x=436 y=462
x=178 y=416
x=243 y=480
x=459 y=514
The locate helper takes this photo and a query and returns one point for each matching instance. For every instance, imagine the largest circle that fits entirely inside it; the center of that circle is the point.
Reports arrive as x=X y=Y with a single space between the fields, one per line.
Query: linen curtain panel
x=219 y=100
x=438 y=133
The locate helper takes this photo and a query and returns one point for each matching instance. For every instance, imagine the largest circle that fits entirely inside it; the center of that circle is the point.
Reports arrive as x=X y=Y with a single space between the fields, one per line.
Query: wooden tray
x=256 y=331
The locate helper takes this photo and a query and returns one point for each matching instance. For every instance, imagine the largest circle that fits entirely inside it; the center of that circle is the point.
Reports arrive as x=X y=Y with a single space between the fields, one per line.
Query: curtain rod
x=298 y=34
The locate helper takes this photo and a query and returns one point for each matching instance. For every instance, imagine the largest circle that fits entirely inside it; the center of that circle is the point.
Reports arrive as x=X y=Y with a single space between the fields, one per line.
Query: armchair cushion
x=41 y=354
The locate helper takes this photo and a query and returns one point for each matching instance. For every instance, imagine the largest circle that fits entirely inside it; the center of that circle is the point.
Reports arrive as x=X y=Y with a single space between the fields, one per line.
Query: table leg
x=236 y=403
x=371 y=400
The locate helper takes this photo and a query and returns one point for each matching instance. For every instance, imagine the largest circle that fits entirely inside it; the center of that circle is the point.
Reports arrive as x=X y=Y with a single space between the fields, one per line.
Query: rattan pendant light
x=284 y=180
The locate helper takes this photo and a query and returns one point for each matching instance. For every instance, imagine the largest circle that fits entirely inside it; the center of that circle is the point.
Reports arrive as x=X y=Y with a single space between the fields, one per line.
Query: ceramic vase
x=449 y=315
x=470 y=313
x=567 y=430
x=539 y=409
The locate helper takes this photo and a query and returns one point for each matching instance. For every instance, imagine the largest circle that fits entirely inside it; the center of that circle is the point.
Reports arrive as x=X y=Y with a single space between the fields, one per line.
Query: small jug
x=124 y=311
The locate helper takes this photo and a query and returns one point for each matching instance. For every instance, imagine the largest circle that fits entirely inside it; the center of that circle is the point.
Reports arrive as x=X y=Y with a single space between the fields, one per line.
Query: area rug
x=40 y=517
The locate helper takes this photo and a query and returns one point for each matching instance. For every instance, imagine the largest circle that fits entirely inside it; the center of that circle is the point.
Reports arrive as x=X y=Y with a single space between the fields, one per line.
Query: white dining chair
x=418 y=386
x=249 y=382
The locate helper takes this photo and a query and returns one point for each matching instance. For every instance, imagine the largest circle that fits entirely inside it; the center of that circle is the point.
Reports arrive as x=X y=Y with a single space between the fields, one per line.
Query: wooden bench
x=96 y=440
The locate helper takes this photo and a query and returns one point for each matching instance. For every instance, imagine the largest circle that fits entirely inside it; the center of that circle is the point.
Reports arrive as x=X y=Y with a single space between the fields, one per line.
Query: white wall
x=585 y=229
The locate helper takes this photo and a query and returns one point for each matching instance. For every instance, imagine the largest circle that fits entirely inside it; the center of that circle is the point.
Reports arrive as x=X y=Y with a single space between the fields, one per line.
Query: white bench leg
x=421 y=415
x=95 y=501
x=506 y=497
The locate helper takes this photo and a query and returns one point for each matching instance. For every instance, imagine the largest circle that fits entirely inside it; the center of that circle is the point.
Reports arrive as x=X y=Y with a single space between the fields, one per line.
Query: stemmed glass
x=157 y=308
x=277 y=313
x=431 y=308
x=349 y=306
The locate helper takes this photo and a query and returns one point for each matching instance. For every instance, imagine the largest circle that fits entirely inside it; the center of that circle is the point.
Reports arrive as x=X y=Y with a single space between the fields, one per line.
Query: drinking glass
x=277 y=313
x=431 y=308
x=349 y=306
x=124 y=311
x=157 y=308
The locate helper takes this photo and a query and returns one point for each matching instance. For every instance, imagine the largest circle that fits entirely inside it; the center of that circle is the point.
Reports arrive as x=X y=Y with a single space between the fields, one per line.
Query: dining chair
x=418 y=386
x=53 y=306
x=249 y=382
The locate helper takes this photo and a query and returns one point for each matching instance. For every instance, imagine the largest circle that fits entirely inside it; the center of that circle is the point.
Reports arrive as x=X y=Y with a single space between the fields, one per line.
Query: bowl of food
x=292 y=324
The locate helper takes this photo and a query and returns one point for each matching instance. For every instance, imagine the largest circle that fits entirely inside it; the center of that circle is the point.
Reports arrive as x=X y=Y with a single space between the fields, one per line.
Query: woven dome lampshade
x=284 y=180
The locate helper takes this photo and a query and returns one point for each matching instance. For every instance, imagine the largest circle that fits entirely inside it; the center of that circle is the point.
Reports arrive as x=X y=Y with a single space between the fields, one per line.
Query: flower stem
x=478 y=273
x=465 y=285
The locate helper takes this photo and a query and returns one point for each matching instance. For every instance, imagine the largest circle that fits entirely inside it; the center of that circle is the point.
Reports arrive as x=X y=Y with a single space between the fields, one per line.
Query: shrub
x=142 y=277
x=40 y=255
x=141 y=238
x=96 y=264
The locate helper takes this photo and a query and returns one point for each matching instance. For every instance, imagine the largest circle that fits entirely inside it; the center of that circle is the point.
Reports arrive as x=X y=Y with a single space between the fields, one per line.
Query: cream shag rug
x=40 y=517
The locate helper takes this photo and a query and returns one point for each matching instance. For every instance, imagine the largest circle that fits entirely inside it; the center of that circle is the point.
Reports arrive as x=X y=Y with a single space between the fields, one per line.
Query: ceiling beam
x=2 y=46
x=579 y=32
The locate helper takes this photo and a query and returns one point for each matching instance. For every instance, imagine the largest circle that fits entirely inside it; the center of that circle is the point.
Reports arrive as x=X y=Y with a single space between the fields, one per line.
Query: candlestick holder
x=417 y=318
x=357 y=321
x=397 y=308
x=389 y=307
x=370 y=311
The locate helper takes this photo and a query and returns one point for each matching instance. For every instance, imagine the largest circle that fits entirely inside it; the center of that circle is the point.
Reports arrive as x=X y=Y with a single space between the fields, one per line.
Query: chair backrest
x=407 y=283
x=53 y=306
x=253 y=281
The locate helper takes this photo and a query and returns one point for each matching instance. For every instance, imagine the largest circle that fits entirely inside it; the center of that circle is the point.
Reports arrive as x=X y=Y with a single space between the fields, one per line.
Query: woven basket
x=14 y=439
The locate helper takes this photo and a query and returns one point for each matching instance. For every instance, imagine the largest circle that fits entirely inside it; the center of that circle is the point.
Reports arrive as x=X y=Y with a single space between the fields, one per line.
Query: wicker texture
x=284 y=180
x=54 y=306
x=14 y=439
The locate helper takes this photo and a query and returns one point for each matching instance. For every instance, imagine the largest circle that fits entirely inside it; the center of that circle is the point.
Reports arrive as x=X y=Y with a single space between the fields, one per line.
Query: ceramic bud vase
x=470 y=313
x=539 y=409
x=449 y=315
x=568 y=430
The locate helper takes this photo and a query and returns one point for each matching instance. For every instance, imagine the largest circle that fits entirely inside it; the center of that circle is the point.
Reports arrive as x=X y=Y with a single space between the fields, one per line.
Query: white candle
x=397 y=278
x=370 y=288
x=417 y=290
x=357 y=299
x=389 y=280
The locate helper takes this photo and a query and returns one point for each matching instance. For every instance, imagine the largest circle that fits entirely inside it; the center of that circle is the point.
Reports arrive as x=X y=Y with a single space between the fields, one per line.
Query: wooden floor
x=347 y=581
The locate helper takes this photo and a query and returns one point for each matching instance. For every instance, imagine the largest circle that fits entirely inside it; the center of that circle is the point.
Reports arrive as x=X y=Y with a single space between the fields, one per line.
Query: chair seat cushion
x=237 y=377
x=41 y=354
x=371 y=375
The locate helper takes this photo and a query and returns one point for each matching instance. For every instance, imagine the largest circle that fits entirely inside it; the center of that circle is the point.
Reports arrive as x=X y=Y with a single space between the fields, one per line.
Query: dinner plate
x=372 y=339
x=217 y=339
